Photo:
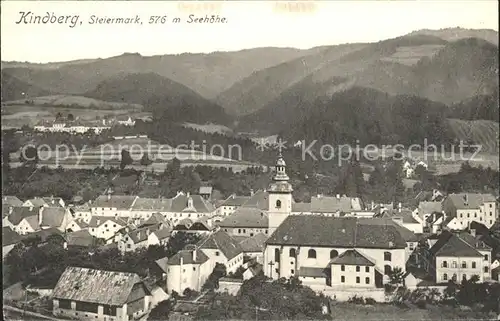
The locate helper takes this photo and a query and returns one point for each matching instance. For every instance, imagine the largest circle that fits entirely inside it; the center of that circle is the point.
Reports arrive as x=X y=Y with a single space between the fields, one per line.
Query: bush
x=370 y=301
x=356 y=300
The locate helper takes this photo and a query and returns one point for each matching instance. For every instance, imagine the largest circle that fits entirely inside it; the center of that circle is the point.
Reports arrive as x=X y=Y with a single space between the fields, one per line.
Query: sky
x=249 y=24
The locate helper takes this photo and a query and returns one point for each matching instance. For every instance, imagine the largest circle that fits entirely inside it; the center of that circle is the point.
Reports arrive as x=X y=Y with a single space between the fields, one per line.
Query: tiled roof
x=37 y=202
x=405 y=215
x=10 y=237
x=79 y=238
x=53 y=216
x=152 y=204
x=96 y=286
x=450 y=244
x=120 y=202
x=312 y=230
x=405 y=233
x=477 y=243
x=301 y=207
x=97 y=221
x=180 y=203
x=184 y=224
x=329 y=204
x=187 y=257
x=33 y=222
x=156 y=218
x=351 y=257
x=44 y=234
x=21 y=212
x=258 y=200
x=429 y=208
x=235 y=201
x=312 y=272
x=201 y=225
x=474 y=201
x=163 y=233
x=141 y=234
x=255 y=243
x=11 y=201
x=53 y=201
x=220 y=240
x=162 y=263
x=246 y=217
x=206 y=190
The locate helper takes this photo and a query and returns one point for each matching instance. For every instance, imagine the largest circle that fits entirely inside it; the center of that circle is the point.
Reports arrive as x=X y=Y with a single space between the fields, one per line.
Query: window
x=387 y=269
x=358 y=268
x=468 y=214
x=445 y=277
x=486 y=257
x=105 y=225
x=486 y=269
x=464 y=265
x=342 y=268
x=445 y=264
x=387 y=256
x=292 y=253
x=367 y=269
x=473 y=265
x=475 y=214
x=194 y=268
x=311 y=254
x=292 y=271
x=342 y=279
x=278 y=204
x=412 y=247
x=358 y=279
x=454 y=277
x=276 y=255
x=464 y=277
x=367 y=280
x=454 y=264
x=239 y=230
x=128 y=246
x=491 y=205
x=217 y=253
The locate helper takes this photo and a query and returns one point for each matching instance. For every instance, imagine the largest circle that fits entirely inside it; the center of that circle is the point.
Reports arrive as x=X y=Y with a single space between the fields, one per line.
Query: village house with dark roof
x=254 y=246
x=134 y=239
x=246 y=221
x=457 y=256
x=105 y=227
x=470 y=207
x=11 y=201
x=222 y=248
x=113 y=205
x=22 y=219
x=230 y=205
x=97 y=294
x=9 y=240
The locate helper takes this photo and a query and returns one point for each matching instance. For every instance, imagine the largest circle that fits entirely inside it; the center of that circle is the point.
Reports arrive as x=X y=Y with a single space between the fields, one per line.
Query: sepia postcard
x=250 y=160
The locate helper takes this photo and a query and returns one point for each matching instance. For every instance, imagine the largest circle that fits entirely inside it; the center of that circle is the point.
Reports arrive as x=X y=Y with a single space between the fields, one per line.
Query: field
x=411 y=55
x=210 y=128
x=75 y=102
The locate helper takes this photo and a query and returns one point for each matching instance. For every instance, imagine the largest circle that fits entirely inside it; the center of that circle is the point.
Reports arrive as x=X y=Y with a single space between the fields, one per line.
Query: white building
x=469 y=207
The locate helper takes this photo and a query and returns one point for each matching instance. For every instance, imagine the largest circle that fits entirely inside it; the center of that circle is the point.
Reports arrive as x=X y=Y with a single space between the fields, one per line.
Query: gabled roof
x=53 y=201
x=220 y=240
x=162 y=263
x=405 y=215
x=36 y=202
x=235 y=201
x=429 y=208
x=120 y=202
x=156 y=218
x=301 y=207
x=256 y=243
x=96 y=286
x=201 y=225
x=474 y=201
x=187 y=257
x=97 y=221
x=11 y=201
x=21 y=212
x=10 y=237
x=163 y=233
x=312 y=230
x=405 y=233
x=33 y=222
x=329 y=204
x=184 y=224
x=180 y=203
x=53 y=216
x=152 y=204
x=246 y=217
x=205 y=190
x=44 y=234
x=258 y=200
x=312 y=272
x=79 y=238
x=451 y=245
x=141 y=234
x=351 y=257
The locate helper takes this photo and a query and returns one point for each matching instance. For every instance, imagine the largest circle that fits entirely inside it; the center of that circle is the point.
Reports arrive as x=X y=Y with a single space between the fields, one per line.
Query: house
x=160 y=237
x=405 y=218
x=304 y=245
x=221 y=248
x=189 y=206
x=457 y=256
x=469 y=207
x=252 y=271
x=102 y=295
x=11 y=201
x=82 y=212
x=332 y=206
x=125 y=120
x=231 y=204
x=136 y=238
x=201 y=226
x=105 y=227
x=16 y=219
x=189 y=268
x=81 y=238
x=254 y=246
x=57 y=217
x=246 y=221
x=77 y=225
x=206 y=192
x=157 y=218
x=144 y=208
x=352 y=269
x=9 y=240
x=54 y=201
x=426 y=209
x=113 y=205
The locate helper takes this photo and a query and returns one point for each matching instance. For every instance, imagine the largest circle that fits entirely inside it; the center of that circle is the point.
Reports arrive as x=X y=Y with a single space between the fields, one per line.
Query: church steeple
x=280 y=170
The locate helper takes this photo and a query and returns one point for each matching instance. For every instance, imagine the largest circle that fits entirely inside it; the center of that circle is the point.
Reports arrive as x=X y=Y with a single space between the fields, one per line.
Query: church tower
x=280 y=196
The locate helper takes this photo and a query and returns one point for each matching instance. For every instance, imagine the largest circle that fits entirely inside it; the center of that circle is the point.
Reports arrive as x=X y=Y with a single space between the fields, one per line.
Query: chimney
x=188 y=194
x=109 y=196
x=11 y=208
x=373 y=205
x=338 y=196
x=473 y=232
x=182 y=260
x=194 y=255
x=31 y=208
x=251 y=192
x=40 y=216
x=400 y=207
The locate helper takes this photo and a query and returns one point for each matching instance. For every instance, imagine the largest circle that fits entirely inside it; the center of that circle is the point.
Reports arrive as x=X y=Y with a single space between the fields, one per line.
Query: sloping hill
x=453 y=34
x=14 y=89
x=424 y=66
x=478 y=132
x=207 y=74
x=482 y=107
x=163 y=97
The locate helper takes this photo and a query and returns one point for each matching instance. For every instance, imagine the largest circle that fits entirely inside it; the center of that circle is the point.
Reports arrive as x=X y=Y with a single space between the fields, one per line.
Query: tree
x=145 y=161
x=58 y=116
x=396 y=276
x=126 y=159
x=161 y=311
x=71 y=117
